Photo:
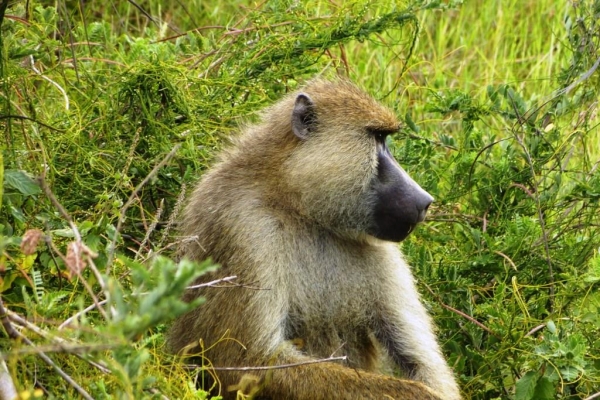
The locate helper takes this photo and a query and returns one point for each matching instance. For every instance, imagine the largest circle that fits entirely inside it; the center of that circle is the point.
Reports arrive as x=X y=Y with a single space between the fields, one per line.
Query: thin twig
x=56 y=339
x=152 y=18
x=150 y=229
x=10 y=330
x=194 y=30
x=23 y=117
x=60 y=89
x=582 y=78
x=536 y=329
x=58 y=370
x=507 y=258
x=132 y=197
x=72 y=349
x=538 y=204
x=214 y=284
x=271 y=367
x=14 y=334
x=594 y=396
x=523 y=188
x=16 y=318
x=174 y=215
x=61 y=210
x=62 y=7
x=211 y=283
x=80 y=313
x=134 y=142
x=462 y=314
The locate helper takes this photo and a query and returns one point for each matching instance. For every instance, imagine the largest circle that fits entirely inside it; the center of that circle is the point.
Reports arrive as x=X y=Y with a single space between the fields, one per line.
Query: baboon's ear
x=303 y=116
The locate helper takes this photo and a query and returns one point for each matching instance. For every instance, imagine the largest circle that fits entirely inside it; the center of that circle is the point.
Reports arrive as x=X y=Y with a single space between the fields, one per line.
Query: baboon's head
x=341 y=170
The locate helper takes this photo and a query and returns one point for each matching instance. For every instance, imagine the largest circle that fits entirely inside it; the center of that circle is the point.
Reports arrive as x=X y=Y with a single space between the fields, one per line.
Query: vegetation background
x=110 y=109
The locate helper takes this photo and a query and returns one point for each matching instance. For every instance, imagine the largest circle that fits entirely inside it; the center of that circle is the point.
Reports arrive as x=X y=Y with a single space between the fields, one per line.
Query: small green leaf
x=551 y=326
x=65 y=232
x=20 y=181
x=569 y=373
x=411 y=124
x=525 y=387
x=544 y=390
x=85 y=227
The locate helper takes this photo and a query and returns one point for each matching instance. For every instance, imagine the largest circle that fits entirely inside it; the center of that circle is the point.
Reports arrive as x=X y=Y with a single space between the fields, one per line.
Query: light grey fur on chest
x=348 y=276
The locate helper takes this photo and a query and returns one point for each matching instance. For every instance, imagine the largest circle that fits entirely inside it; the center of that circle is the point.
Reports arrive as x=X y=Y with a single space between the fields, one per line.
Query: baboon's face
x=345 y=174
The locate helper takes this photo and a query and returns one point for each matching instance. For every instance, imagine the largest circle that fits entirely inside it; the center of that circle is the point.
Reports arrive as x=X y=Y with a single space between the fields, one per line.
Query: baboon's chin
x=396 y=234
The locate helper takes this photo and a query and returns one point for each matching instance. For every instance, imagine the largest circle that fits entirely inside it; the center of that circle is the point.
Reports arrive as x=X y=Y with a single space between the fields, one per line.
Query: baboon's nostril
x=423 y=206
x=427 y=207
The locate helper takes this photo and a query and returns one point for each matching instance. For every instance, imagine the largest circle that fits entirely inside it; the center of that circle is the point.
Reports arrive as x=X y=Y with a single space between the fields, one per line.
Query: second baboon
x=306 y=209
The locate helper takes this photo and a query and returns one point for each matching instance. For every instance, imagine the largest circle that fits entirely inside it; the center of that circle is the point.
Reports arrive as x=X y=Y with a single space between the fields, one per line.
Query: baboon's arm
x=326 y=381
x=405 y=329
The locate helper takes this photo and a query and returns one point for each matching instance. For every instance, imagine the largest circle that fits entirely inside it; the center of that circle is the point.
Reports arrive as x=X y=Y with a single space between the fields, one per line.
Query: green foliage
x=500 y=106
x=154 y=298
x=514 y=238
x=534 y=386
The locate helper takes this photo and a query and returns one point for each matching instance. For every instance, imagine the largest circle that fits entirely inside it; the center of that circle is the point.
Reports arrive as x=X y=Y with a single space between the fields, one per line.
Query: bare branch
x=536 y=329
x=272 y=367
x=56 y=368
x=536 y=199
x=594 y=396
x=212 y=283
x=80 y=313
x=227 y=280
x=61 y=210
x=582 y=78
x=507 y=258
x=79 y=350
x=7 y=386
x=60 y=89
x=174 y=215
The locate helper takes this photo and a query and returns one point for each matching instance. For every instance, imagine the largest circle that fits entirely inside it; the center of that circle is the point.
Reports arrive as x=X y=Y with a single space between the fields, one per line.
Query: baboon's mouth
x=407 y=231
x=397 y=234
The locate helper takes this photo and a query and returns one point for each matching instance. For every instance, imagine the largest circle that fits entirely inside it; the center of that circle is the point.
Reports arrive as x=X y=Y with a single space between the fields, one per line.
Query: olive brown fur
x=306 y=209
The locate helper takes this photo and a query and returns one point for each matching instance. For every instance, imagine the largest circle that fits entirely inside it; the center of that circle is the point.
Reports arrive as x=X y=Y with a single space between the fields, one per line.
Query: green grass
x=508 y=262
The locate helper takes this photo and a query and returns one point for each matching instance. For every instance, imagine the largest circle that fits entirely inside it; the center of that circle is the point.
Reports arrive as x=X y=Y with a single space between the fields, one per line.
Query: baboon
x=306 y=209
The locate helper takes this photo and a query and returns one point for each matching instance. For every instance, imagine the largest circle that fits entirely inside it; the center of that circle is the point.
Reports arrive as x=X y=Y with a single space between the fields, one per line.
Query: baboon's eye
x=381 y=134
